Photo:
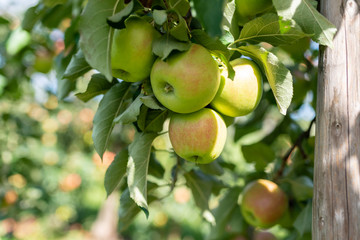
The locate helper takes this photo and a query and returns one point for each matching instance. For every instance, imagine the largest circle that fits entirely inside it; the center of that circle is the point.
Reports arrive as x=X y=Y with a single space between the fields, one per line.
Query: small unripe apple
x=186 y=81
x=199 y=136
x=240 y=96
x=263 y=203
x=250 y=8
x=131 y=52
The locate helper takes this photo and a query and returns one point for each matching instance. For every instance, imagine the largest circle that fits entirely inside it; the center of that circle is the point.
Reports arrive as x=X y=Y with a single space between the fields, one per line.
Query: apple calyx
x=168 y=88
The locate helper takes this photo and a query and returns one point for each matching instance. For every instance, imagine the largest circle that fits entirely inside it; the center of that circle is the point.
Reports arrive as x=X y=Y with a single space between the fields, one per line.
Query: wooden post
x=336 y=205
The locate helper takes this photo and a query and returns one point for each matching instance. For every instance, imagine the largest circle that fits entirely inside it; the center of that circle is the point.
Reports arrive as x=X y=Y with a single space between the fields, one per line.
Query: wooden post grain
x=336 y=205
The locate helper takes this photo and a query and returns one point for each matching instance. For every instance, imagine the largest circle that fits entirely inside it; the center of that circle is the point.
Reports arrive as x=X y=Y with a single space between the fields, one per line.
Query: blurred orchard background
x=51 y=181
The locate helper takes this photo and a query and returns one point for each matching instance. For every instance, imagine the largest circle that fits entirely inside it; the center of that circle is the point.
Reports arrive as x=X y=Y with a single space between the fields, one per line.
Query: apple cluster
x=191 y=85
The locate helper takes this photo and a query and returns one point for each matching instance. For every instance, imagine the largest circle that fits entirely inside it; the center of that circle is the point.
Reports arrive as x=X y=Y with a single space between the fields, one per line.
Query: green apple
x=240 y=96
x=131 y=52
x=263 y=203
x=199 y=136
x=186 y=81
x=250 y=8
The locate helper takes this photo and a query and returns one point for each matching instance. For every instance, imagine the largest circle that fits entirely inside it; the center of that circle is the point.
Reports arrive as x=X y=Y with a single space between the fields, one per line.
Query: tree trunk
x=336 y=206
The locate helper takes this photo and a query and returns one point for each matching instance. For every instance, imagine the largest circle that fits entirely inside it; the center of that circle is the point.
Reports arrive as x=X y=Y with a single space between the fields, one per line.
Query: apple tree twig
x=297 y=143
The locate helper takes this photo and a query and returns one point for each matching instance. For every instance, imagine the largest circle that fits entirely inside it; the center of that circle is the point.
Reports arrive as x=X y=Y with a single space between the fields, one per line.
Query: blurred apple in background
x=263 y=203
x=43 y=60
x=70 y=182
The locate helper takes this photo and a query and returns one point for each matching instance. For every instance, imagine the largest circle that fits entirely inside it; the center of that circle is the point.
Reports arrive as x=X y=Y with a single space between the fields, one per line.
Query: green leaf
x=155 y=168
x=210 y=14
x=164 y=45
x=131 y=113
x=302 y=187
x=98 y=85
x=71 y=34
x=158 y=4
x=202 y=186
x=202 y=38
x=237 y=222
x=151 y=102
x=137 y=168
x=181 y=6
x=278 y=76
x=128 y=208
x=4 y=21
x=53 y=16
x=303 y=222
x=77 y=66
x=141 y=121
x=32 y=16
x=65 y=86
x=3 y=84
x=155 y=120
x=52 y=3
x=151 y=120
x=116 y=171
x=266 y=28
x=258 y=153
x=254 y=123
x=212 y=168
x=17 y=41
x=230 y=23
x=118 y=20
x=109 y=108
x=308 y=18
x=226 y=62
x=223 y=212
x=160 y=16
x=96 y=34
x=180 y=31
